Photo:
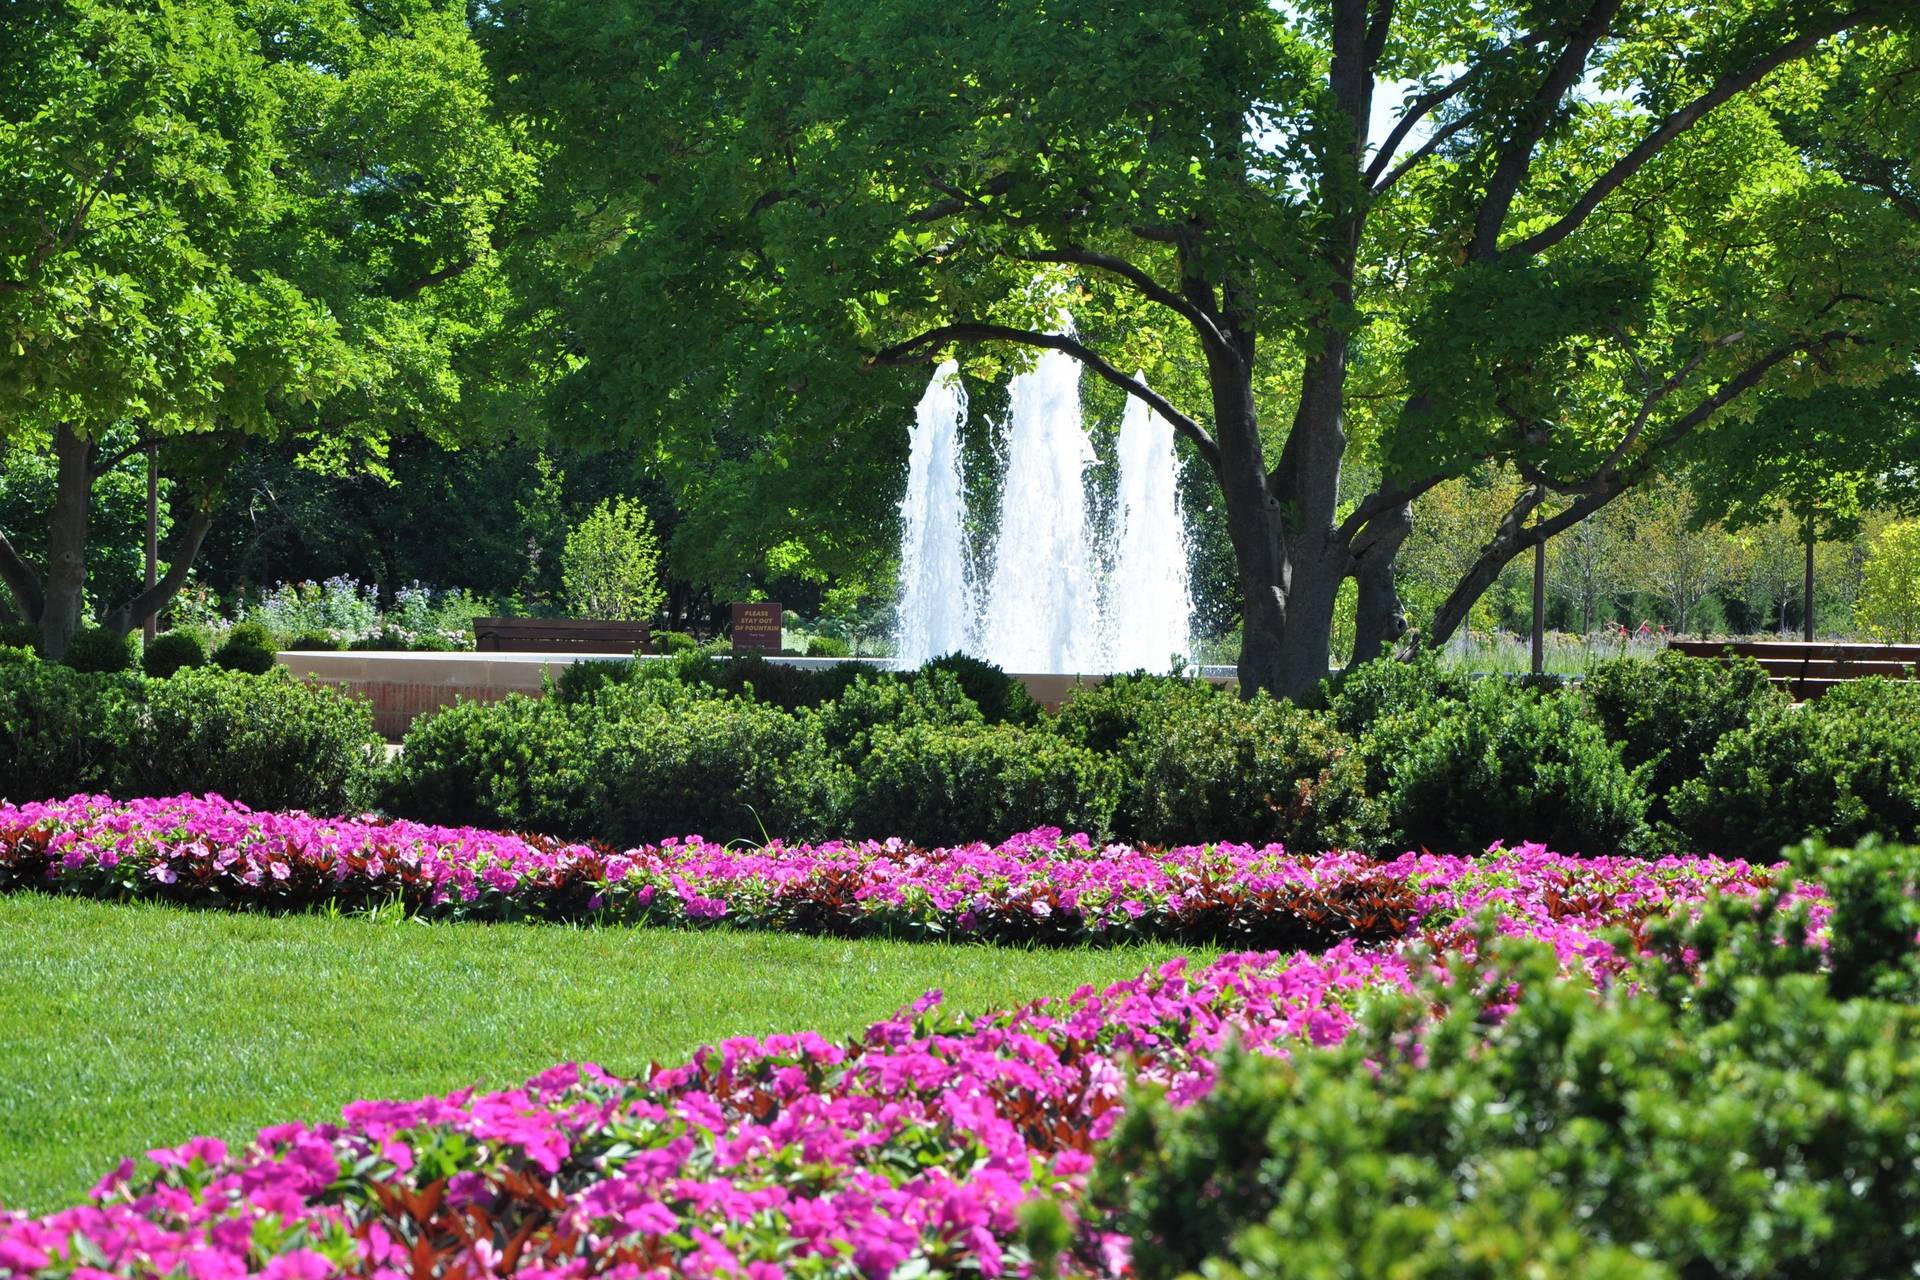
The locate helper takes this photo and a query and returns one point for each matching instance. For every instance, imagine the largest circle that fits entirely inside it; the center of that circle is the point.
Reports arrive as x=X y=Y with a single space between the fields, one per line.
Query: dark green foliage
x=98 y=649
x=1671 y=712
x=940 y=785
x=582 y=679
x=315 y=642
x=249 y=647
x=267 y=741
x=62 y=731
x=1842 y=767
x=1613 y=1134
x=172 y=651
x=674 y=642
x=1362 y=696
x=879 y=700
x=1200 y=764
x=722 y=768
x=1510 y=765
x=1001 y=698
x=517 y=764
x=828 y=647
x=20 y=635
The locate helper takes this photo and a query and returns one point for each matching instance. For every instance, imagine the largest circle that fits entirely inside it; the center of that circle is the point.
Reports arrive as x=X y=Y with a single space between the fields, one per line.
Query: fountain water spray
x=936 y=592
x=1043 y=609
x=1148 y=612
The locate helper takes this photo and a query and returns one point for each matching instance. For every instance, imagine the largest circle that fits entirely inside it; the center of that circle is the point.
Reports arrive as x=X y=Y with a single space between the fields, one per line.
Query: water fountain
x=1148 y=613
x=1043 y=608
x=936 y=591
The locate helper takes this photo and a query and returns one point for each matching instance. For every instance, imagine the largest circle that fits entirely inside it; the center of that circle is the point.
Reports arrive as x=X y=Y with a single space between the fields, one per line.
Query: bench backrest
x=1808 y=669
x=560 y=635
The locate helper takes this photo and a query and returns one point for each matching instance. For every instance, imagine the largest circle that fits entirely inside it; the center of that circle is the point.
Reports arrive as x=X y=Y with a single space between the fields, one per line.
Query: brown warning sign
x=757 y=626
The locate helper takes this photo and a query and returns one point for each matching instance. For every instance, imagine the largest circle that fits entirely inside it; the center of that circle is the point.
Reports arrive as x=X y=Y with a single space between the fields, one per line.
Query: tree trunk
x=1378 y=618
x=66 y=582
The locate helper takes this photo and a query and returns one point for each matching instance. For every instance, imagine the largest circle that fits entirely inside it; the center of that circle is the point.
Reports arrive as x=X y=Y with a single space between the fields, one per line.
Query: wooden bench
x=559 y=635
x=1807 y=670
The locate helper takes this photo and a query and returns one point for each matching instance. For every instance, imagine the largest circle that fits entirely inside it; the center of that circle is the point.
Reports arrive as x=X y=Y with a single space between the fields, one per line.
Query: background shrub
x=1510 y=765
x=1842 y=767
x=1670 y=713
x=98 y=649
x=20 y=635
x=828 y=647
x=1361 y=697
x=172 y=651
x=316 y=642
x=1198 y=764
x=674 y=642
x=722 y=768
x=1001 y=698
x=269 y=741
x=938 y=784
x=249 y=647
x=881 y=701
x=519 y=764
x=579 y=681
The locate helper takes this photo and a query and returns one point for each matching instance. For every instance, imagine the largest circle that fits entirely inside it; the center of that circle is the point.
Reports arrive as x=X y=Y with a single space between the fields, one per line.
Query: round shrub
x=249 y=647
x=1842 y=767
x=1670 y=713
x=1200 y=764
x=722 y=768
x=172 y=651
x=315 y=642
x=1510 y=765
x=63 y=731
x=828 y=647
x=580 y=680
x=674 y=642
x=1001 y=698
x=1362 y=696
x=270 y=742
x=874 y=702
x=937 y=784
x=98 y=649
x=519 y=764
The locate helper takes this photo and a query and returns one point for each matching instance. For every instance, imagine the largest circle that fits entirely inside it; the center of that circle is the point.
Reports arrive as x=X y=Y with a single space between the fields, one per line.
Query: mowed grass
x=126 y=1027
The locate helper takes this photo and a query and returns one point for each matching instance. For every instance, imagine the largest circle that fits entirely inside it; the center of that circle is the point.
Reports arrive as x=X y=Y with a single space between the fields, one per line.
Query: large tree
x=222 y=222
x=1559 y=235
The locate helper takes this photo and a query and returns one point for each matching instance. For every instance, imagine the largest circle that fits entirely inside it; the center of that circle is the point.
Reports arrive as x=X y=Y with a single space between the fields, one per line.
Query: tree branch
x=1143 y=284
x=1420 y=107
x=452 y=270
x=136 y=611
x=1680 y=121
x=921 y=350
x=1516 y=157
x=1380 y=502
x=21 y=582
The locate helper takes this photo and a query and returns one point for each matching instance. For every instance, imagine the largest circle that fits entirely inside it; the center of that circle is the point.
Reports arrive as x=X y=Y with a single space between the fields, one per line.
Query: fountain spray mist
x=1148 y=613
x=936 y=608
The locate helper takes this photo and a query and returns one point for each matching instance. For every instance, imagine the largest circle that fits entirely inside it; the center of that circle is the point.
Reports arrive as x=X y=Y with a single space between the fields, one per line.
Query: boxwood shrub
x=1507 y=764
x=1200 y=764
x=99 y=649
x=1670 y=713
x=63 y=731
x=518 y=764
x=1841 y=767
x=939 y=784
x=172 y=651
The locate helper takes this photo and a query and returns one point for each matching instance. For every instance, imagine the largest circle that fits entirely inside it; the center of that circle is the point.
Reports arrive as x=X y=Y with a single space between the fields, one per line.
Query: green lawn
x=128 y=1027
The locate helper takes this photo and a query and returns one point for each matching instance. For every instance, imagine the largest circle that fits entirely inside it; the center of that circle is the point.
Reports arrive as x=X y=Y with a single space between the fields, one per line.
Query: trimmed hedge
x=1508 y=764
x=265 y=741
x=519 y=764
x=944 y=785
x=100 y=650
x=1199 y=763
x=172 y=651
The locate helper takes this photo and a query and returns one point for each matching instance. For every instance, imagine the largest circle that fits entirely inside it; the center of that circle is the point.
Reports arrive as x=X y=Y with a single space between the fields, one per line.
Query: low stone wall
x=405 y=686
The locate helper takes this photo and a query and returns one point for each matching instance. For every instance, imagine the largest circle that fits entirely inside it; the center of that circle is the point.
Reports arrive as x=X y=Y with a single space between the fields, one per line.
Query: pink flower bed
x=1037 y=887
x=915 y=1144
